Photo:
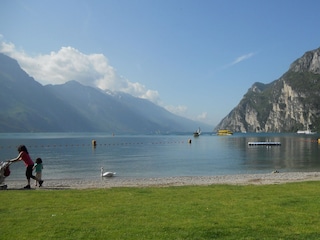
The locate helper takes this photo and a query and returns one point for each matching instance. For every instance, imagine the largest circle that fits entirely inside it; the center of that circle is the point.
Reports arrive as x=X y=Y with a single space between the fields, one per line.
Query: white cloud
x=91 y=70
x=178 y=110
x=182 y=110
x=202 y=116
x=70 y=64
x=239 y=59
x=242 y=58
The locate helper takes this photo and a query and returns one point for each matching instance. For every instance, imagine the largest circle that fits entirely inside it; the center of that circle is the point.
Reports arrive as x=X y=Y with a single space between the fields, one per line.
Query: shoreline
x=100 y=183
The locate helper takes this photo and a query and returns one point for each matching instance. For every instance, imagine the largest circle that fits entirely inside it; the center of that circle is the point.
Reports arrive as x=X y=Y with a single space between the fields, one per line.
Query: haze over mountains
x=28 y=106
x=287 y=104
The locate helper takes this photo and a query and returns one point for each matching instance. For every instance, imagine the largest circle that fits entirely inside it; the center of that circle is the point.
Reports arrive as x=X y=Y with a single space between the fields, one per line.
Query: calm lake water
x=71 y=155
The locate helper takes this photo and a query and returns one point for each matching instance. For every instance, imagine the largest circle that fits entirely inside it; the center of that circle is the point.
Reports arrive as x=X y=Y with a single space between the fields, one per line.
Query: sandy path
x=241 y=179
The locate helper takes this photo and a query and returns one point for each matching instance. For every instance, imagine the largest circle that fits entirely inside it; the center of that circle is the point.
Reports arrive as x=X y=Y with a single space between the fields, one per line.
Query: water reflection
x=72 y=156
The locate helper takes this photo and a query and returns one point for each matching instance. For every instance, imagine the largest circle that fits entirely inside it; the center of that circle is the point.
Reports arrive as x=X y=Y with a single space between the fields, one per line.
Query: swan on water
x=107 y=174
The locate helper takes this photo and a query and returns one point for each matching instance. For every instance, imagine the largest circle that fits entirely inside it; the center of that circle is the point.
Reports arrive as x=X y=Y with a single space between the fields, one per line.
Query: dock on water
x=264 y=143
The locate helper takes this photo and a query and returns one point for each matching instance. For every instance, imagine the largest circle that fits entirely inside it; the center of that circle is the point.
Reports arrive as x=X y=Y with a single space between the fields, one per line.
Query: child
x=38 y=168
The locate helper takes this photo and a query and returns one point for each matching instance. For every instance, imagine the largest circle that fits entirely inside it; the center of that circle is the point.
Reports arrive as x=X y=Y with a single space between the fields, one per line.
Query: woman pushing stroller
x=24 y=156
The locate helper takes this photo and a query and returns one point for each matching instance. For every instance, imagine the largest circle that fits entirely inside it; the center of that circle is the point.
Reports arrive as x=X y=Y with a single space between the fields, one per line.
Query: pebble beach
x=241 y=179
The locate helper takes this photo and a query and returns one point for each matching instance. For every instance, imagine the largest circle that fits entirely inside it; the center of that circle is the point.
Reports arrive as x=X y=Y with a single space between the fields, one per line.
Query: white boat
x=305 y=132
x=308 y=131
x=197 y=133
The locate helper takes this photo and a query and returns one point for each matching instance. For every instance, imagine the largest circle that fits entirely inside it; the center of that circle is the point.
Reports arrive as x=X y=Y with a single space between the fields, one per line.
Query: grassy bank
x=286 y=211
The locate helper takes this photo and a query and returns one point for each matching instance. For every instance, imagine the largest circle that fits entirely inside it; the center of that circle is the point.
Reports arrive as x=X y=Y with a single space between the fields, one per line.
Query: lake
x=72 y=156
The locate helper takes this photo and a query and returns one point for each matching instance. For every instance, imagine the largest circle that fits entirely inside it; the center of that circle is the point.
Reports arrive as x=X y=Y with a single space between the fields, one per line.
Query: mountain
x=285 y=105
x=27 y=106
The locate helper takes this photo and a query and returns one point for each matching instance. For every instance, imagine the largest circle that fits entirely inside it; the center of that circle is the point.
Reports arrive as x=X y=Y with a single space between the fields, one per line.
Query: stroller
x=4 y=172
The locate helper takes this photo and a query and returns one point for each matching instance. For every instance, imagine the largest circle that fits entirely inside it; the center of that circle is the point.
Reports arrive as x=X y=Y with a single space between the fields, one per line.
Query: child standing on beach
x=38 y=168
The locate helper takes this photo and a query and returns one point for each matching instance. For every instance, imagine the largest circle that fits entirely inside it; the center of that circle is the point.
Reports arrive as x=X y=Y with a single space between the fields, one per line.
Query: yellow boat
x=224 y=132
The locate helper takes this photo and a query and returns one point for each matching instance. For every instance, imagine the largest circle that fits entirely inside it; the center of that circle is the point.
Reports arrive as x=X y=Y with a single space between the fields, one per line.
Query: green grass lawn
x=285 y=211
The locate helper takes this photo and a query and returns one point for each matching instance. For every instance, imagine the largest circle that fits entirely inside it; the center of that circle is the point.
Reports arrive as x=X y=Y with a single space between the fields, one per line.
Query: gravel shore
x=240 y=179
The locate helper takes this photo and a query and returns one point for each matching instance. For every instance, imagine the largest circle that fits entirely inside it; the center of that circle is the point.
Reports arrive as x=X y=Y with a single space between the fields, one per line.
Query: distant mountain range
x=288 y=104
x=28 y=106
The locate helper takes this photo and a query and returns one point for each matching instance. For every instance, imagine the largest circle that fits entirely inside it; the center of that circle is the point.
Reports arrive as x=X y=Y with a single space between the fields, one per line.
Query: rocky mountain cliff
x=288 y=104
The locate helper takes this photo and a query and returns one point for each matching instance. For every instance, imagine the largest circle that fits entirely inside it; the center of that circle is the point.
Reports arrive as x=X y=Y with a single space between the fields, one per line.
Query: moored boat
x=224 y=132
x=305 y=132
x=197 y=133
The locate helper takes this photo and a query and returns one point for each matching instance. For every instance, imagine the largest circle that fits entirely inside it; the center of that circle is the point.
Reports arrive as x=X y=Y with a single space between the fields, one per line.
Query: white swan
x=107 y=174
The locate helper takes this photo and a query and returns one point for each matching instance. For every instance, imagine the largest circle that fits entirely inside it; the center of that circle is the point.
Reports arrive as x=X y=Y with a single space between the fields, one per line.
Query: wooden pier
x=264 y=143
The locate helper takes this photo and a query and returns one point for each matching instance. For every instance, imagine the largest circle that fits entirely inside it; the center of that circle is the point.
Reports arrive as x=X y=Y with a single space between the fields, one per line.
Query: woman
x=24 y=156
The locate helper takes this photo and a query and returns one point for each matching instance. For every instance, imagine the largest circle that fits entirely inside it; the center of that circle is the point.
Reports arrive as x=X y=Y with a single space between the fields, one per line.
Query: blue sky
x=195 y=58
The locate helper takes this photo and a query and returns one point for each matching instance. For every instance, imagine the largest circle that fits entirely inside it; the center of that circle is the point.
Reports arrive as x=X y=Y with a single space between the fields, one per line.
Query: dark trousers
x=29 y=174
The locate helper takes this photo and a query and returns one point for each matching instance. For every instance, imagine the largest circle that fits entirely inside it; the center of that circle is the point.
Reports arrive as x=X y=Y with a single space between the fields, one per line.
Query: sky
x=196 y=58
